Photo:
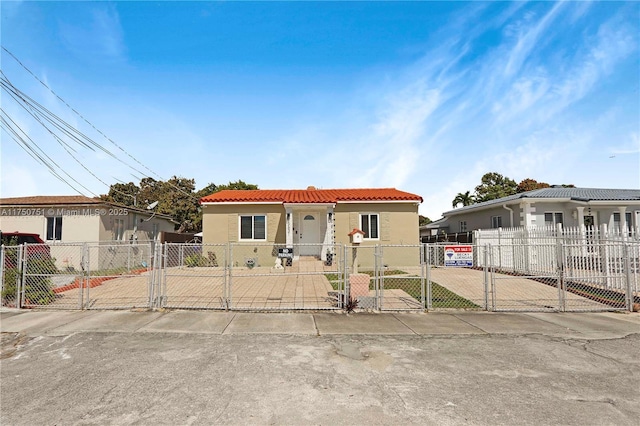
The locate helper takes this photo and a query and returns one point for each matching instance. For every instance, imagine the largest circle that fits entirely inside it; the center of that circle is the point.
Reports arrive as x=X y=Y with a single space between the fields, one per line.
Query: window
x=54 y=228
x=616 y=221
x=463 y=226
x=369 y=224
x=118 y=230
x=553 y=219
x=253 y=227
x=496 y=222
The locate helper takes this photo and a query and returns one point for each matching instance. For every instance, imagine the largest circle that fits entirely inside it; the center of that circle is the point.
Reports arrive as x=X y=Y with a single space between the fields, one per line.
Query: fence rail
x=552 y=274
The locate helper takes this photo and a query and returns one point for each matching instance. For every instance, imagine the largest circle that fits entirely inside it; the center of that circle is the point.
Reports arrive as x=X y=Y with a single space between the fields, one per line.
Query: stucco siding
x=220 y=223
x=27 y=224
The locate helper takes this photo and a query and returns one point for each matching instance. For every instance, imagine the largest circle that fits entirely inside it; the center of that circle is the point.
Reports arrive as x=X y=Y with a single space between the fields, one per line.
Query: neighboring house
x=77 y=218
x=569 y=207
x=311 y=221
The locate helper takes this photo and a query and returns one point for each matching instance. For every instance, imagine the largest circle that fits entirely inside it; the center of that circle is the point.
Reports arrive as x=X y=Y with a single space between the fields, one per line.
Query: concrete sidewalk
x=563 y=325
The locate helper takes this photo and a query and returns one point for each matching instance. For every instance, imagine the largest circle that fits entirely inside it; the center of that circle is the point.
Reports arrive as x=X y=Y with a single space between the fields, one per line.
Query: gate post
x=230 y=285
x=492 y=271
x=485 y=270
x=84 y=280
x=346 y=286
x=560 y=271
x=378 y=282
x=23 y=261
x=627 y=269
x=423 y=267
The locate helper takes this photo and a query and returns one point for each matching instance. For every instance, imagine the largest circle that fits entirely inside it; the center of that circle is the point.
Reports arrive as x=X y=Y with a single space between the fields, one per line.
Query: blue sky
x=422 y=96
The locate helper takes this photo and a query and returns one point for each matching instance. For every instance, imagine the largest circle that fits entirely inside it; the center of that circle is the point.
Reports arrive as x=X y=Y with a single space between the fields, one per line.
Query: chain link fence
x=281 y=277
x=52 y=276
x=11 y=258
x=194 y=276
x=118 y=276
x=552 y=275
x=455 y=287
x=402 y=277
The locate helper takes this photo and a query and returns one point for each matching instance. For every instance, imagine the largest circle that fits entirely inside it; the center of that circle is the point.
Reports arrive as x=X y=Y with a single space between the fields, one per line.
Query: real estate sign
x=459 y=255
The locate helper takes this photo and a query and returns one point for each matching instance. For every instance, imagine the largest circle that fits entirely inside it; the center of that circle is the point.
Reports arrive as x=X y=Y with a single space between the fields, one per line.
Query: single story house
x=570 y=207
x=76 y=218
x=73 y=218
x=310 y=221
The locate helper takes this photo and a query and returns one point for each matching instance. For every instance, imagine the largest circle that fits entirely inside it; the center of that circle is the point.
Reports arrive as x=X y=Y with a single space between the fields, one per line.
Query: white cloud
x=99 y=33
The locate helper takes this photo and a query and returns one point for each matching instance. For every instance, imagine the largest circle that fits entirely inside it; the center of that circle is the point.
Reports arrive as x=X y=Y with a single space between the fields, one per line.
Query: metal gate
x=548 y=275
x=52 y=276
x=194 y=276
x=569 y=279
x=401 y=278
x=118 y=276
x=281 y=277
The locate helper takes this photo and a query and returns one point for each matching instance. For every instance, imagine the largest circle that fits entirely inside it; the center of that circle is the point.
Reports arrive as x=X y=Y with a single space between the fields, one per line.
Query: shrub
x=196 y=260
x=37 y=285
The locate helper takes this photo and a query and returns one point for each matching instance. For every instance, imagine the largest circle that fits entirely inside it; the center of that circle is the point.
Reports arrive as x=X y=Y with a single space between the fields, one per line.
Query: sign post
x=286 y=253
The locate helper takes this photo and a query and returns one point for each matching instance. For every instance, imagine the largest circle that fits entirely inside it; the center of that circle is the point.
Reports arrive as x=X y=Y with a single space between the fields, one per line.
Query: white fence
x=605 y=257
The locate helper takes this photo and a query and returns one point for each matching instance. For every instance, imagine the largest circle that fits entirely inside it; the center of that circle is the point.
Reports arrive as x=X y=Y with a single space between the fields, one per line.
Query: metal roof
x=574 y=194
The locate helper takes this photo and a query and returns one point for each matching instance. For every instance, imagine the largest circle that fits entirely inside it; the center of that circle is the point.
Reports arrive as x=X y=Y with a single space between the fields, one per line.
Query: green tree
x=494 y=186
x=176 y=197
x=466 y=199
x=423 y=220
x=125 y=194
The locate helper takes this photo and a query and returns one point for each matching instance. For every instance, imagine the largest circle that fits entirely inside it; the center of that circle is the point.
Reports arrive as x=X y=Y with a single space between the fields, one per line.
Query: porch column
x=289 y=226
x=330 y=226
x=580 y=216
x=623 y=218
x=527 y=213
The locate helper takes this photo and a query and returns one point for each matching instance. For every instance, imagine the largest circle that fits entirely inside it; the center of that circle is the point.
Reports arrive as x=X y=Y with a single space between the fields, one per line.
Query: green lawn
x=441 y=297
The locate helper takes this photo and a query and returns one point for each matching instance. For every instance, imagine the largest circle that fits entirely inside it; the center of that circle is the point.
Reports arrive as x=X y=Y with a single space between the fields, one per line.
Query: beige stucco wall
x=398 y=226
x=26 y=224
x=78 y=223
x=220 y=225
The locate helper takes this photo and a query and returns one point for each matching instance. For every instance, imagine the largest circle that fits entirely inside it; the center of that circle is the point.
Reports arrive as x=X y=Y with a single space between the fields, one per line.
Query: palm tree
x=465 y=199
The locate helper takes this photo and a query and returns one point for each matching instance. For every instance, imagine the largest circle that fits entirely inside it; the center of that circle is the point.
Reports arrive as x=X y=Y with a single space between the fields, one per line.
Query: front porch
x=310 y=230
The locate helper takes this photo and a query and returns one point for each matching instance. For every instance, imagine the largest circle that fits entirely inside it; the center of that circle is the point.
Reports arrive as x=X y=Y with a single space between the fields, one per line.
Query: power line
x=41 y=156
x=98 y=130
x=15 y=92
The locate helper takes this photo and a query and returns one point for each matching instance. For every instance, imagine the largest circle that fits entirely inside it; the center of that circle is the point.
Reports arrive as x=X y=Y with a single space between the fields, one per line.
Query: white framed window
x=496 y=222
x=553 y=218
x=370 y=225
x=118 y=230
x=618 y=225
x=463 y=226
x=253 y=227
x=54 y=228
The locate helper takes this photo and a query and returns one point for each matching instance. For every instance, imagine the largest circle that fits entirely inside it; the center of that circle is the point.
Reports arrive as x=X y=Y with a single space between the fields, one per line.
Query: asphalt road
x=58 y=374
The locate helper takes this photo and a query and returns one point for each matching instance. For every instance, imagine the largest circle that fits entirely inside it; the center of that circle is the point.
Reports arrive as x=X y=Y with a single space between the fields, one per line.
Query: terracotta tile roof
x=49 y=200
x=309 y=195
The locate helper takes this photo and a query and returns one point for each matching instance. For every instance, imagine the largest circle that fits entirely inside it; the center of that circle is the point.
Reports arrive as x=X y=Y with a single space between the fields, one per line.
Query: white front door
x=310 y=234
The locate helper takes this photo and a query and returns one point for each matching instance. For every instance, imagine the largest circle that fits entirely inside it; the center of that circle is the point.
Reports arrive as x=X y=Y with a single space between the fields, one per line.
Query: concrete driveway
x=511 y=292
